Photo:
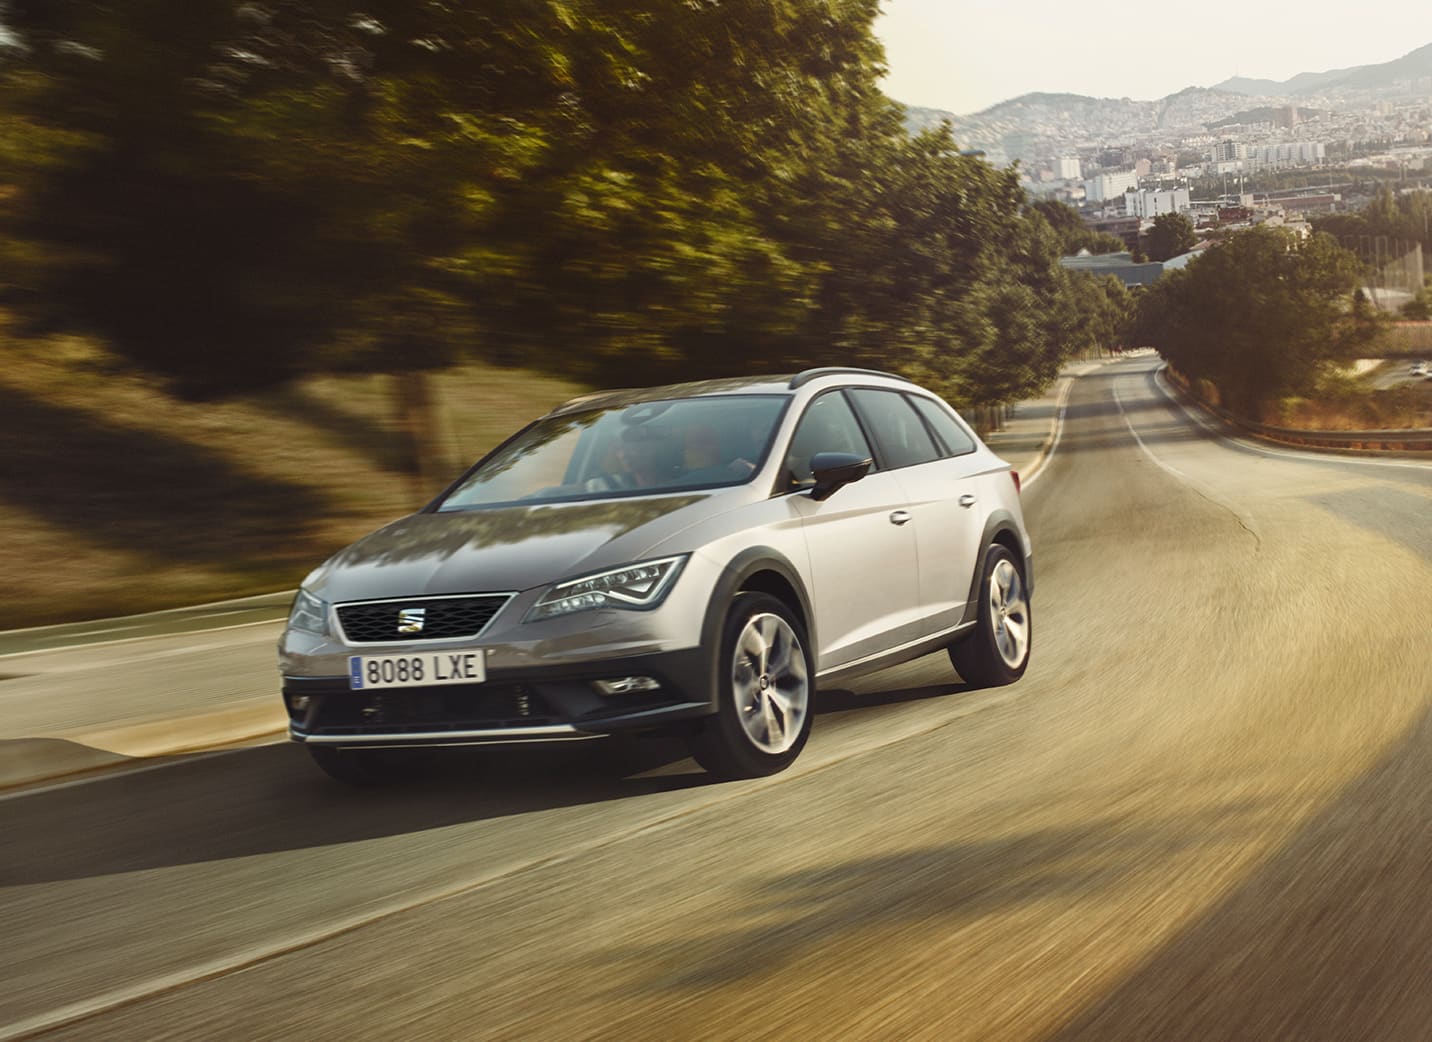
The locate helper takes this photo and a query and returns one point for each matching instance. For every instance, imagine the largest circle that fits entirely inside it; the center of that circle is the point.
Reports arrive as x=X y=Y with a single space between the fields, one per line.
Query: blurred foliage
x=622 y=191
x=1419 y=308
x=1263 y=316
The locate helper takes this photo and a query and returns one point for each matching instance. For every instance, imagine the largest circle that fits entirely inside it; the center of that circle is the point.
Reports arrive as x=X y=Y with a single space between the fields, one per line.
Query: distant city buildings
x=1147 y=204
x=1228 y=151
x=1068 y=168
x=1287 y=153
x=1103 y=187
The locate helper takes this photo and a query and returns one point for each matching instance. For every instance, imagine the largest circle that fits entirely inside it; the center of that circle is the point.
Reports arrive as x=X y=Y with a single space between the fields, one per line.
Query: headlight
x=636 y=586
x=309 y=613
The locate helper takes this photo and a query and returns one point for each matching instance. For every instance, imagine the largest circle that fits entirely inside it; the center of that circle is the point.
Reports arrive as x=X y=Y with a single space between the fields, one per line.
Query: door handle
x=967 y=500
x=899 y=517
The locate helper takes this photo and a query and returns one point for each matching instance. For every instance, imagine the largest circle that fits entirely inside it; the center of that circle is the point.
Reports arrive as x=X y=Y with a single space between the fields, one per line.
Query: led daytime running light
x=635 y=586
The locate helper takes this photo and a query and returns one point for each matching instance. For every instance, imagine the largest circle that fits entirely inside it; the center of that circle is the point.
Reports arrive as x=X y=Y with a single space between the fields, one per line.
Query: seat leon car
x=690 y=560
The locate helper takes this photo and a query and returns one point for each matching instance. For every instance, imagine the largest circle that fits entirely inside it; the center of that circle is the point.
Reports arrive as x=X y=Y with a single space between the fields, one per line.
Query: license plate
x=430 y=669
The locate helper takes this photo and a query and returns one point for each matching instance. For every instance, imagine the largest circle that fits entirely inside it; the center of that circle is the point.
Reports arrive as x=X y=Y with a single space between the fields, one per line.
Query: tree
x=1263 y=315
x=1074 y=234
x=1171 y=235
x=1419 y=308
x=623 y=191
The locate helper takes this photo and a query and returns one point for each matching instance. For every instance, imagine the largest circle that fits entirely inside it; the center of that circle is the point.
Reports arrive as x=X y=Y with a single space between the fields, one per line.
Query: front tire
x=997 y=652
x=764 y=692
x=367 y=768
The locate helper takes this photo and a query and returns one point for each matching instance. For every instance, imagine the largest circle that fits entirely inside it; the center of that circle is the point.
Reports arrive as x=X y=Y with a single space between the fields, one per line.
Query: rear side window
x=899 y=434
x=957 y=440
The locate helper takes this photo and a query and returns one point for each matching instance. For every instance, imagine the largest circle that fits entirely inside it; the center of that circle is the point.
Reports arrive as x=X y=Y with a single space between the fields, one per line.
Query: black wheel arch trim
x=999 y=522
x=741 y=567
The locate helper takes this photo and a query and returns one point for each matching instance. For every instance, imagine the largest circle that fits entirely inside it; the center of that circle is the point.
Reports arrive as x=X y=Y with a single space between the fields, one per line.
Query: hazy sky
x=965 y=55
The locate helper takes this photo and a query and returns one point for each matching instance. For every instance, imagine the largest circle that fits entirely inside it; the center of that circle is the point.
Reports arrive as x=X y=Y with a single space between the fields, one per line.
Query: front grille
x=443 y=618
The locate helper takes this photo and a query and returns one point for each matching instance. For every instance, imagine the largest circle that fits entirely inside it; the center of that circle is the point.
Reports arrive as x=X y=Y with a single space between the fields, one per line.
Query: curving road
x=1206 y=812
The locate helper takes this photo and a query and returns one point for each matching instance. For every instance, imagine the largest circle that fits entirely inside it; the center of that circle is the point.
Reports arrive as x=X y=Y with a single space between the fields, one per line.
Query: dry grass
x=117 y=497
x=1397 y=409
x=1347 y=402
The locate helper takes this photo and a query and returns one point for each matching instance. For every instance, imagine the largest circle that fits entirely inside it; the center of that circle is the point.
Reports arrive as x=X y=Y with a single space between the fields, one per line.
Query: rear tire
x=997 y=652
x=765 y=683
x=367 y=768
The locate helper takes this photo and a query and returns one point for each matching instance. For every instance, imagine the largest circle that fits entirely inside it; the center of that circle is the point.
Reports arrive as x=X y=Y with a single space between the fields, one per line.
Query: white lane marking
x=107 y=629
x=1309 y=456
x=222 y=966
x=1170 y=468
x=1244 y=519
x=58 y=648
x=1061 y=405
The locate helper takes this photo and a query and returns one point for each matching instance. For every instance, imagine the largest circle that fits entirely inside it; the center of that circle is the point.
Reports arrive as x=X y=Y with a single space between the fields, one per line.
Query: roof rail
x=807 y=375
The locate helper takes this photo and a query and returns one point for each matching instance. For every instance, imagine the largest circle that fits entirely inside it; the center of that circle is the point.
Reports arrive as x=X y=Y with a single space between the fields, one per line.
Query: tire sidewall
x=1008 y=674
x=724 y=747
x=977 y=658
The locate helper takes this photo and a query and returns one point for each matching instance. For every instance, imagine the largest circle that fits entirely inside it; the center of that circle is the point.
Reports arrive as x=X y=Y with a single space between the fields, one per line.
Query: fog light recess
x=626 y=685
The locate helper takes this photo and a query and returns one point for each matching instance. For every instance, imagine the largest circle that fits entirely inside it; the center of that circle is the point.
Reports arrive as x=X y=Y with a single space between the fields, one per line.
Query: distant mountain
x=1262 y=114
x=1036 y=127
x=1040 y=125
x=1411 y=66
x=918 y=118
x=1253 y=88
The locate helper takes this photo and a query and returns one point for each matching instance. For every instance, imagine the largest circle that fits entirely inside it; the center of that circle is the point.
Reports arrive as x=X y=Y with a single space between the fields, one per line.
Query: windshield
x=662 y=446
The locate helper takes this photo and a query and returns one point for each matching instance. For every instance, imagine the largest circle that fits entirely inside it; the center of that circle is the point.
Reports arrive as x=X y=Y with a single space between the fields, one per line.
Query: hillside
x=1262 y=114
x=1037 y=125
x=115 y=497
x=1414 y=65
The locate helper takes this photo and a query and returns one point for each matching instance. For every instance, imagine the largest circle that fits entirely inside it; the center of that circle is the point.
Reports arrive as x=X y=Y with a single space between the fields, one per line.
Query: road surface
x=1205 y=813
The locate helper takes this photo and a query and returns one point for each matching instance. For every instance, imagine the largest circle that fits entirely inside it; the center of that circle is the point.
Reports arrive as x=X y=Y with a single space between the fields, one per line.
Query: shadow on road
x=933 y=887
x=1328 y=940
x=272 y=798
x=839 y=700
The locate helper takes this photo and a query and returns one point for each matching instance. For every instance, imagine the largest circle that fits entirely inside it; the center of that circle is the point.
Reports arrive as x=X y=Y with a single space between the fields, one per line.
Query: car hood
x=504 y=548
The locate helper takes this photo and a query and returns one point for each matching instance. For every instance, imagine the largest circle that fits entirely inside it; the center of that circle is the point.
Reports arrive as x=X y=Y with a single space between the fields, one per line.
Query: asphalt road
x=1397 y=374
x=1205 y=813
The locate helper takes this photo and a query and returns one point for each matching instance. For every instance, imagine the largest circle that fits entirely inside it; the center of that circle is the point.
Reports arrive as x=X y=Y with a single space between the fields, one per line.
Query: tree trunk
x=415 y=419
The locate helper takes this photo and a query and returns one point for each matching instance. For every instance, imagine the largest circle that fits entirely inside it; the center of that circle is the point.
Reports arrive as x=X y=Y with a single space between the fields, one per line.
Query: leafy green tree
x=1171 y=235
x=1074 y=234
x=624 y=191
x=1263 y=315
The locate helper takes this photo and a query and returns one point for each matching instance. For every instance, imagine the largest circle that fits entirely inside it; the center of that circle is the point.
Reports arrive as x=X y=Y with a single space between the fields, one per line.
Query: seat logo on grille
x=410 y=620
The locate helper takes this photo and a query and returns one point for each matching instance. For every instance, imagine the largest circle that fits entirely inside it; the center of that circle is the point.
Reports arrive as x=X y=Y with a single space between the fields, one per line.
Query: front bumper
x=535 y=704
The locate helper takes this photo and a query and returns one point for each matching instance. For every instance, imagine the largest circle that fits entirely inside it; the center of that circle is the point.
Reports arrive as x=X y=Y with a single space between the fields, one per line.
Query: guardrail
x=1415 y=440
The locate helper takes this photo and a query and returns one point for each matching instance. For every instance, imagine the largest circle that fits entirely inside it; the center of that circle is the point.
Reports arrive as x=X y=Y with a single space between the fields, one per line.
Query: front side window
x=828 y=425
x=899 y=432
x=663 y=446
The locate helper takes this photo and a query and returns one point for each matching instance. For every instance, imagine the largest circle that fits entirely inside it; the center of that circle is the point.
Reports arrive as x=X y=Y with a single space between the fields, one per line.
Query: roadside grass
x=1356 y=403
x=116 y=497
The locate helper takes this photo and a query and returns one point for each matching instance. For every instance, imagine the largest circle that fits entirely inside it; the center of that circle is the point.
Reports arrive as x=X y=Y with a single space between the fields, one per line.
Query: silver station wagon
x=688 y=560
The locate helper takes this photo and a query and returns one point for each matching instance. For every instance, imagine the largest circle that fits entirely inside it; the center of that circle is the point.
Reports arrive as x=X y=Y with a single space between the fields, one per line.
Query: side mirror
x=832 y=470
